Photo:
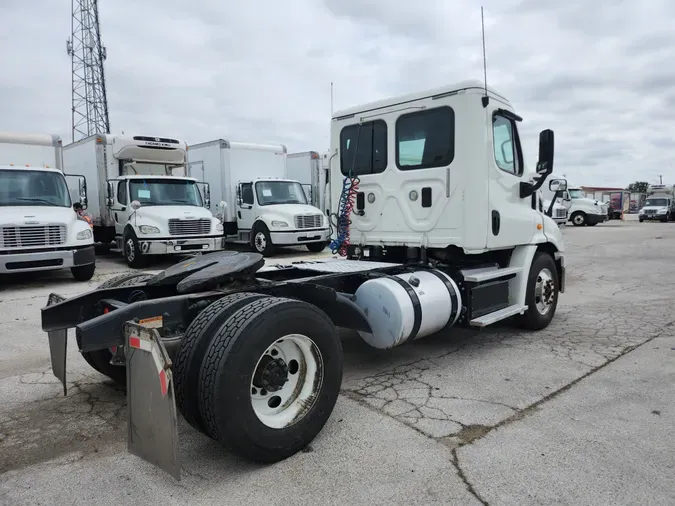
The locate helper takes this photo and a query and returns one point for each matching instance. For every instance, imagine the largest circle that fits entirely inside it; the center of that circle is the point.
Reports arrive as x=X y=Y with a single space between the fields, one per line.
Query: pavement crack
x=469 y=486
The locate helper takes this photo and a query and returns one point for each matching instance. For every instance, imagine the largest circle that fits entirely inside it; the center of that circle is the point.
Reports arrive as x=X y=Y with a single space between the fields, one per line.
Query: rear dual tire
x=269 y=374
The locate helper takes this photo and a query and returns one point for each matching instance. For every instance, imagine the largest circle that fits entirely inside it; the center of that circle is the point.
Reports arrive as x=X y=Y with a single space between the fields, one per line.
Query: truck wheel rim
x=131 y=252
x=260 y=241
x=544 y=291
x=578 y=219
x=287 y=381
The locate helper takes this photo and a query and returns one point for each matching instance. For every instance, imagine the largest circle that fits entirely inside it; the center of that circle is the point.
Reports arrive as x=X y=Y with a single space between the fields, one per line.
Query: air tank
x=409 y=306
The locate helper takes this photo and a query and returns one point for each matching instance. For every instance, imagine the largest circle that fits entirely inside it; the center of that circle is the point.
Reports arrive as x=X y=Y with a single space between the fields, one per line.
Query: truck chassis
x=249 y=355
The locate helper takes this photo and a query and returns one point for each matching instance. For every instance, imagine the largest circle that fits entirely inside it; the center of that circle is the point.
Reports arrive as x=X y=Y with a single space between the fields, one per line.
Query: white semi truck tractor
x=437 y=227
x=39 y=229
x=140 y=197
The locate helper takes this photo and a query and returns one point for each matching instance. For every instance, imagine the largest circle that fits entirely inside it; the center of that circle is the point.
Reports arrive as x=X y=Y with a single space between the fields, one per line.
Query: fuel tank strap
x=417 y=307
x=453 y=296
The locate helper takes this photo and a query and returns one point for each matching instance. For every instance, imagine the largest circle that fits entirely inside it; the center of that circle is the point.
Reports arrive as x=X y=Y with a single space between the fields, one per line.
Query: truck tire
x=191 y=351
x=578 y=219
x=131 y=250
x=270 y=379
x=316 y=247
x=541 y=295
x=261 y=241
x=100 y=359
x=83 y=272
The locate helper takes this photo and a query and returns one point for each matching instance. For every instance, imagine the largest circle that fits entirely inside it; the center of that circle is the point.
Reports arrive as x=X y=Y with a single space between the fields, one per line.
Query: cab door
x=511 y=218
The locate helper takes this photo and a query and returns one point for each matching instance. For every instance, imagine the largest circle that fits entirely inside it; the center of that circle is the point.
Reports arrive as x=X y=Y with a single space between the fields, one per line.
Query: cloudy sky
x=603 y=79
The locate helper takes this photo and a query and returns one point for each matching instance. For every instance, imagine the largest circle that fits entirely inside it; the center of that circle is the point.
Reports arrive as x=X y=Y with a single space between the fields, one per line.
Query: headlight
x=148 y=229
x=279 y=224
x=85 y=234
x=219 y=227
x=662 y=211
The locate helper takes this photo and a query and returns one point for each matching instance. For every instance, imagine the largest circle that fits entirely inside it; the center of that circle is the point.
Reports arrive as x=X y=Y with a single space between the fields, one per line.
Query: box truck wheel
x=541 y=296
x=270 y=378
x=100 y=359
x=131 y=250
x=261 y=240
x=316 y=247
x=191 y=351
x=83 y=272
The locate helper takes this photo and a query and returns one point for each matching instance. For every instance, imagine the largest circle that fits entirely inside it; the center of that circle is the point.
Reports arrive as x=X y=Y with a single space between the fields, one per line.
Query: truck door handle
x=495 y=222
x=239 y=214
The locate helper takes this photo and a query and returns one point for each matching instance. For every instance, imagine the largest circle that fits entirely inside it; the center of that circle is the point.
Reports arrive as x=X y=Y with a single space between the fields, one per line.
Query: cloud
x=600 y=77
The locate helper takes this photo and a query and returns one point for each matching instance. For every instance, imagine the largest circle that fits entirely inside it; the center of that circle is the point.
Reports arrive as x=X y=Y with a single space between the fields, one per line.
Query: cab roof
x=411 y=97
x=30 y=167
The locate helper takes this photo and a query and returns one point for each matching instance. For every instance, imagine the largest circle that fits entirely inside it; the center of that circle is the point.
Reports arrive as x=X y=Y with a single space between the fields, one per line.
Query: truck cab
x=659 y=204
x=582 y=210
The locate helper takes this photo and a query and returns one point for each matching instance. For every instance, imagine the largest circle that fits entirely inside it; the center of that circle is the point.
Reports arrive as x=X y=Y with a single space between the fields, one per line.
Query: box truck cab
x=659 y=204
x=141 y=198
x=258 y=205
x=39 y=228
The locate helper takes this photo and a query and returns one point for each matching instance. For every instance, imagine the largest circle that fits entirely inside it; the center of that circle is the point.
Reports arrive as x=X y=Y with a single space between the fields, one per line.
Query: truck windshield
x=656 y=202
x=576 y=194
x=165 y=192
x=279 y=192
x=33 y=188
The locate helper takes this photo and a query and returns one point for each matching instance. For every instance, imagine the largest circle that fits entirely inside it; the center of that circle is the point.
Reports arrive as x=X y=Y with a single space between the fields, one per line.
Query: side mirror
x=222 y=205
x=83 y=201
x=557 y=185
x=109 y=201
x=135 y=205
x=207 y=195
x=546 y=145
x=238 y=194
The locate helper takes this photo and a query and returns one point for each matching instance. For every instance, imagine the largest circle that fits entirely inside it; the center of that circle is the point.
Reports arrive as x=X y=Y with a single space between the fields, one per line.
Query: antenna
x=485 y=99
x=331 y=99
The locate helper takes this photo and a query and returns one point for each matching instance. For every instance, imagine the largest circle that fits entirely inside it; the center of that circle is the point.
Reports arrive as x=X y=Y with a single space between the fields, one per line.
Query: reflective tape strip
x=145 y=345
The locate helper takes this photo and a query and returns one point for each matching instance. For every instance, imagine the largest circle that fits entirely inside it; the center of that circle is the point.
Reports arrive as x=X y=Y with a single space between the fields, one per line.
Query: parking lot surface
x=579 y=413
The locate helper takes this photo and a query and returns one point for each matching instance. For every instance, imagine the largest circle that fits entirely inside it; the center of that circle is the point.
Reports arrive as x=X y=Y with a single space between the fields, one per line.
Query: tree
x=638 y=187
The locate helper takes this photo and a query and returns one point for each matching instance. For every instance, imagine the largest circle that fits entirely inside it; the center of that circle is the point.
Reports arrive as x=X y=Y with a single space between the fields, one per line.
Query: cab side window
x=122 y=192
x=247 y=193
x=508 y=155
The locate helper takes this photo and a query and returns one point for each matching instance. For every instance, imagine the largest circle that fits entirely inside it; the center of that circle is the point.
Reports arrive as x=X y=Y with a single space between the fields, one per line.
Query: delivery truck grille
x=25 y=237
x=189 y=227
x=308 y=221
x=561 y=213
x=650 y=211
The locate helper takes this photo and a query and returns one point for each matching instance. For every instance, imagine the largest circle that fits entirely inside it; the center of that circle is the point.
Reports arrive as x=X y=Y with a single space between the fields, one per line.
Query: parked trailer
x=306 y=168
x=249 y=354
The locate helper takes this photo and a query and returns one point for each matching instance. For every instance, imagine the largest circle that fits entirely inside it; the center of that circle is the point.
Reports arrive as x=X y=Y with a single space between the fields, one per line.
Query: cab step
x=497 y=316
x=483 y=274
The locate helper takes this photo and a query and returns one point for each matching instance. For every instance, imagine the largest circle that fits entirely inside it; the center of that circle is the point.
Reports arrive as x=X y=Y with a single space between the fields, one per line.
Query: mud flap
x=151 y=403
x=58 y=344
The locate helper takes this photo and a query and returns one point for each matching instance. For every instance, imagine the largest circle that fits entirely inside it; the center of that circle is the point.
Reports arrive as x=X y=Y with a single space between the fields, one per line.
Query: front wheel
x=83 y=272
x=578 y=219
x=541 y=296
x=270 y=378
x=262 y=241
x=132 y=251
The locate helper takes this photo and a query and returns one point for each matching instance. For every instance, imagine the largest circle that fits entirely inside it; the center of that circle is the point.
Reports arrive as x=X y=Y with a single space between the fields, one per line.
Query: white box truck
x=251 y=355
x=659 y=204
x=140 y=198
x=581 y=211
x=307 y=169
x=39 y=228
x=258 y=205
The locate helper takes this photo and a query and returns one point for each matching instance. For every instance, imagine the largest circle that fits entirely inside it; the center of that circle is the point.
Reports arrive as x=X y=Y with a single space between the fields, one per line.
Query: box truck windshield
x=23 y=187
x=656 y=202
x=279 y=192
x=165 y=192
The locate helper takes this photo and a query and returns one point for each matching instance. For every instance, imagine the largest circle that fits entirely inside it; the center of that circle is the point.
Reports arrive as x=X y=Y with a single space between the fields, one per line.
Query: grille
x=650 y=211
x=561 y=213
x=308 y=221
x=189 y=227
x=26 y=237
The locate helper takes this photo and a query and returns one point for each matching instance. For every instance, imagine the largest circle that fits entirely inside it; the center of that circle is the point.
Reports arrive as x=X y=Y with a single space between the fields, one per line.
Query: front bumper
x=291 y=237
x=180 y=245
x=594 y=219
x=47 y=260
x=656 y=217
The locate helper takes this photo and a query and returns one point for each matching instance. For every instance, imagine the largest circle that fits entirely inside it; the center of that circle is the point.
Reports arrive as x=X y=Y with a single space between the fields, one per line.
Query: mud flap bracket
x=151 y=402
